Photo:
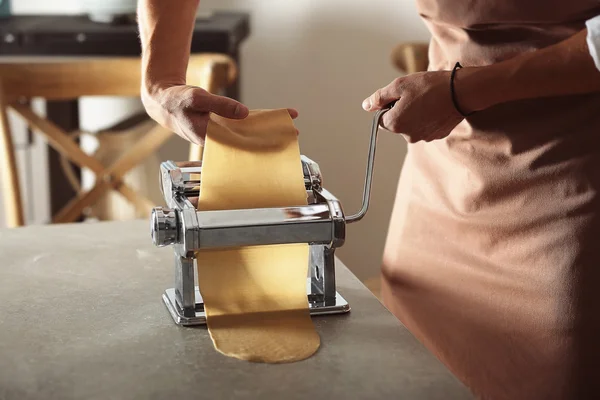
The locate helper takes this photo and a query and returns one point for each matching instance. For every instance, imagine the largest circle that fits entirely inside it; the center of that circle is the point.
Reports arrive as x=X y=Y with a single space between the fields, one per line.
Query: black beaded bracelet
x=453 y=95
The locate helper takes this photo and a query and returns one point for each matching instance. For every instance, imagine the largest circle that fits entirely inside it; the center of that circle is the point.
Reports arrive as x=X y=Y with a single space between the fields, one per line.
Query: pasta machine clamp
x=321 y=224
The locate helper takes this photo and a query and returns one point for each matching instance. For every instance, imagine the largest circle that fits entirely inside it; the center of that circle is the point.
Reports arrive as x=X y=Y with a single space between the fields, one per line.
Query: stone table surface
x=81 y=317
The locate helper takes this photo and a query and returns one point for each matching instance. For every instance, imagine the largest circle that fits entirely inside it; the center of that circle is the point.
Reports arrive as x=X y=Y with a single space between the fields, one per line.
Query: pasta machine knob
x=163 y=226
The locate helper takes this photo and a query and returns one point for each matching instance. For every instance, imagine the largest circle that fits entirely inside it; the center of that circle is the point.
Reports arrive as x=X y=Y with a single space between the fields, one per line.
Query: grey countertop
x=81 y=317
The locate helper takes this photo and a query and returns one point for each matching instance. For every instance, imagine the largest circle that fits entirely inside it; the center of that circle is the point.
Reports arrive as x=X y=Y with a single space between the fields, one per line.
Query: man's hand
x=185 y=109
x=166 y=36
x=424 y=108
x=425 y=111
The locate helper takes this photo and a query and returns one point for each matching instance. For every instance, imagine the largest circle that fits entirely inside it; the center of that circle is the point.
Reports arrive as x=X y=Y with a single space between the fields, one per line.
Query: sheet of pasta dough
x=255 y=297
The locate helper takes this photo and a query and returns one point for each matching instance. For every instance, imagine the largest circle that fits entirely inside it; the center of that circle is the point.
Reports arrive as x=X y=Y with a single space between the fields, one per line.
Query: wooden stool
x=410 y=57
x=71 y=79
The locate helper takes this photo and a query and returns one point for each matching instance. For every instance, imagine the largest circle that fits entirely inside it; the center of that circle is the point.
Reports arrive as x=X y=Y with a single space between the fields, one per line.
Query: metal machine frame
x=321 y=224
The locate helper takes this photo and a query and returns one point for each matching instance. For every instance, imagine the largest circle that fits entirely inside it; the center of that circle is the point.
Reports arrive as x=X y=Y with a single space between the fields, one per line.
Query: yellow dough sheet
x=255 y=297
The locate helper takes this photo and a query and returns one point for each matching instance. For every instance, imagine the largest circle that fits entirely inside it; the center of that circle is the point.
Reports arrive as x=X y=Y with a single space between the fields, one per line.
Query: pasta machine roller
x=321 y=224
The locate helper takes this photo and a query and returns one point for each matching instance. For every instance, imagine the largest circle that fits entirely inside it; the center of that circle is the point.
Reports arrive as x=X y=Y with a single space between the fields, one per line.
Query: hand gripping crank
x=370 y=164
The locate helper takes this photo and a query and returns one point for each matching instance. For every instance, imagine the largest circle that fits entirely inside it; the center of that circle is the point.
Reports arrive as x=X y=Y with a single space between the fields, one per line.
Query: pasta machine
x=321 y=224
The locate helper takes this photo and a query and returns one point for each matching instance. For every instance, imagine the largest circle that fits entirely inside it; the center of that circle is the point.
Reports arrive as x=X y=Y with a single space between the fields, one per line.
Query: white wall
x=322 y=57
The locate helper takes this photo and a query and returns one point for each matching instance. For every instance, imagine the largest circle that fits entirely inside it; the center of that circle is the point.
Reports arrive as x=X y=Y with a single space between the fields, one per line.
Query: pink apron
x=493 y=253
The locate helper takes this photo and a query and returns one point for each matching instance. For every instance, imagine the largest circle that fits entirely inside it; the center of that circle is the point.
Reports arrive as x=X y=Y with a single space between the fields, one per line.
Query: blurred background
x=321 y=57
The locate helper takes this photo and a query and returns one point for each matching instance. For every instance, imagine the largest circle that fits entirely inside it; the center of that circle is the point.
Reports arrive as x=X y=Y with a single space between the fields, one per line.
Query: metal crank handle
x=370 y=164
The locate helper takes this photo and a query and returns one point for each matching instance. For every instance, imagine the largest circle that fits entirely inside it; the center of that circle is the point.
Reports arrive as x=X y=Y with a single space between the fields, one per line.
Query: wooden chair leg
x=58 y=139
x=73 y=209
x=143 y=206
x=410 y=57
x=66 y=146
x=153 y=140
x=8 y=170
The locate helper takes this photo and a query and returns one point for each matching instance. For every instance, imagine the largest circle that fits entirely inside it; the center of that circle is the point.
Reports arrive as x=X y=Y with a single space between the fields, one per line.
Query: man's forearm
x=565 y=68
x=166 y=29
